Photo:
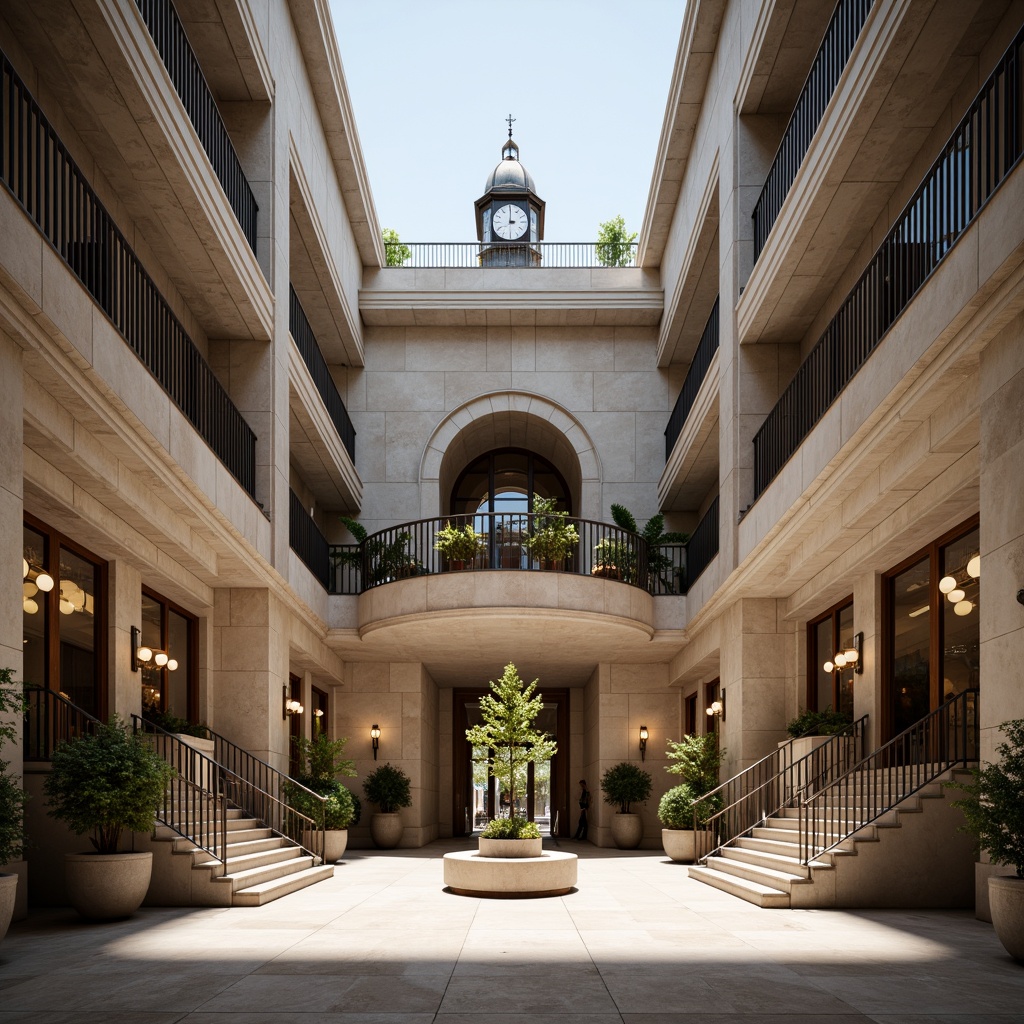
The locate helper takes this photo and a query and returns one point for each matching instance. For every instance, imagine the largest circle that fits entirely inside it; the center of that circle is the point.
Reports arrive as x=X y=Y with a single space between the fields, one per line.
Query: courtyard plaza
x=383 y=943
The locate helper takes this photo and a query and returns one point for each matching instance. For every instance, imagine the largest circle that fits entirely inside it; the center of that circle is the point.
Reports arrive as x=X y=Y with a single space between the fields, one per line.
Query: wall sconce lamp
x=644 y=735
x=717 y=707
x=143 y=655
x=291 y=706
x=375 y=739
x=848 y=658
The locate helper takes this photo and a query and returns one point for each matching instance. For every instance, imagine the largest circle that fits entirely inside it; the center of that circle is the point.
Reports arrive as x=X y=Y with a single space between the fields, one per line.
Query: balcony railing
x=493 y=255
x=189 y=83
x=978 y=157
x=305 y=342
x=837 y=45
x=306 y=540
x=38 y=171
x=702 y=545
x=706 y=349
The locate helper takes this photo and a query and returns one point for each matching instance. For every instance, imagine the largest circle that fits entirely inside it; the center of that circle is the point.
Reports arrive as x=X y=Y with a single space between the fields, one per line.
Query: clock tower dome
x=510 y=214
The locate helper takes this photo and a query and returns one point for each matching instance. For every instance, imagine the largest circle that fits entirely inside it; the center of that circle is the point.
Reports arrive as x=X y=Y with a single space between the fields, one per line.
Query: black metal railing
x=702 y=546
x=179 y=59
x=305 y=342
x=742 y=803
x=947 y=738
x=978 y=157
x=40 y=174
x=51 y=719
x=346 y=569
x=833 y=54
x=307 y=541
x=706 y=349
x=533 y=254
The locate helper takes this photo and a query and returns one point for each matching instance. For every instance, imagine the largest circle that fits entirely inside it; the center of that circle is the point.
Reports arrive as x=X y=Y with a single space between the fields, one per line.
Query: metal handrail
x=306 y=540
x=765 y=787
x=944 y=739
x=60 y=721
x=523 y=254
x=699 y=366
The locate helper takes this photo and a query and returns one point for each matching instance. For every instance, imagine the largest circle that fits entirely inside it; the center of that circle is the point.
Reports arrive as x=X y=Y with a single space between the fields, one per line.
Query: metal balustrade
x=305 y=342
x=494 y=255
x=306 y=540
x=51 y=719
x=706 y=349
x=702 y=546
x=978 y=157
x=832 y=57
x=190 y=84
x=40 y=174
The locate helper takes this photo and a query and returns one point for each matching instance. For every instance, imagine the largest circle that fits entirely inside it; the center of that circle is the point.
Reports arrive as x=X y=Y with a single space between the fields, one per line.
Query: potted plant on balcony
x=697 y=759
x=995 y=817
x=458 y=546
x=106 y=782
x=12 y=799
x=660 y=567
x=507 y=731
x=614 y=559
x=385 y=559
x=624 y=784
x=390 y=789
x=321 y=761
x=554 y=538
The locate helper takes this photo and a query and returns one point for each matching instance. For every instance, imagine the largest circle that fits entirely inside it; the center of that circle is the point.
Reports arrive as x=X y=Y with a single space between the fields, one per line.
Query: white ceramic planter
x=684 y=845
x=101 y=886
x=335 y=843
x=510 y=847
x=8 y=889
x=386 y=830
x=627 y=830
x=1006 y=903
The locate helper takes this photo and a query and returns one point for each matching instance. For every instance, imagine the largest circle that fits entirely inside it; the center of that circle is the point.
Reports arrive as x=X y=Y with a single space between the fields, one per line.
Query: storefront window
x=827 y=635
x=168 y=628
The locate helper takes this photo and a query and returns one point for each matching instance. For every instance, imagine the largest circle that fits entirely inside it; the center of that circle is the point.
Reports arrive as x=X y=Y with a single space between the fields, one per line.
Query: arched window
x=505 y=481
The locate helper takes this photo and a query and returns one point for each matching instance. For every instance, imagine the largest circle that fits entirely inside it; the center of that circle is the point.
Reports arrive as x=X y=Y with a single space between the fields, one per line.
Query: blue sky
x=432 y=82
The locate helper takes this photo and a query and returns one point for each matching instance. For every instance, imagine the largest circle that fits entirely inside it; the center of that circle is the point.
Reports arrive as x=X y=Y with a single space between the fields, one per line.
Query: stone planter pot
x=1006 y=902
x=627 y=830
x=8 y=889
x=102 y=886
x=335 y=843
x=386 y=830
x=684 y=845
x=510 y=847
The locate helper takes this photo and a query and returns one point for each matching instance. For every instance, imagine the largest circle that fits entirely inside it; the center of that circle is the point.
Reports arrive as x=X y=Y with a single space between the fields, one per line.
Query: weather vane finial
x=510 y=119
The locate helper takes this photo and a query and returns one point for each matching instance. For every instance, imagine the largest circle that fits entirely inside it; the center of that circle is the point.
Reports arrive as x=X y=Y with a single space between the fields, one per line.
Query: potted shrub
x=507 y=732
x=613 y=559
x=321 y=761
x=994 y=811
x=12 y=800
x=624 y=784
x=553 y=538
x=659 y=566
x=106 y=782
x=458 y=546
x=389 y=788
x=697 y=759
x=818 y=723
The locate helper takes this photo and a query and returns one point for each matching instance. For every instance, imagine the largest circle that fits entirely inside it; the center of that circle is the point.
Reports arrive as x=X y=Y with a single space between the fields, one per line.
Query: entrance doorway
x=541 y=796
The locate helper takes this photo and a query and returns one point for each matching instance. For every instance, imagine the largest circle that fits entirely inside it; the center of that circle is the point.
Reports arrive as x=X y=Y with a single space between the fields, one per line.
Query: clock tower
x=510 y=214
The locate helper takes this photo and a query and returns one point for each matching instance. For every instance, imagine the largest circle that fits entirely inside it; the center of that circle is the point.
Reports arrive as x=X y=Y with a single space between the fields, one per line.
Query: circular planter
x=106 y=885
x=8 y=888
x=335 y=842
x=469 y=874
x=386 y=830
x=627 y=830
x=684 y=845
x=1006 y=902
x=510 y=847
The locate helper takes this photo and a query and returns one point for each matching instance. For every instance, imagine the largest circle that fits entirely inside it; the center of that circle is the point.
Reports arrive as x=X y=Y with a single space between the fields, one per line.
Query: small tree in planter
x=458 y=546
x=624 y=784
x=321 y=761
x=390 y=789
x=12 y=799
x=553 y=538
x=103 y=783
x=697 y=759
x=994 y=809
x=508 y=714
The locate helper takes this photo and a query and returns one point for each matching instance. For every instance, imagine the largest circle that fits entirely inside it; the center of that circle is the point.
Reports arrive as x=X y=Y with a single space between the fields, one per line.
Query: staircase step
x=753 y=892
x=781 y=861
x=775 y=877
x=265 y=892
x=249 y=877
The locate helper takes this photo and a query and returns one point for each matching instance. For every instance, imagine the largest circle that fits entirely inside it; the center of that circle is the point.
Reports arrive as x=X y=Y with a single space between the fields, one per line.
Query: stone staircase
x=878 y=865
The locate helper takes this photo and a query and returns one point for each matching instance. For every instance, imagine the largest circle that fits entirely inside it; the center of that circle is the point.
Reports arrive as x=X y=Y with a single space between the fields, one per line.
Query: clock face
x=510 y=221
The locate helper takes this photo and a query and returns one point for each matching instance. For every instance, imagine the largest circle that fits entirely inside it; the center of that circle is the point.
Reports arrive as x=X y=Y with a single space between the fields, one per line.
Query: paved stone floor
x=382 y=943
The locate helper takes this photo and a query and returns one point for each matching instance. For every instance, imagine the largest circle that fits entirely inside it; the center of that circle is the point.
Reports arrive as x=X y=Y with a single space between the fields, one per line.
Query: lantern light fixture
x=142 y=654
x=848 y=657
x=375 y=739
x=291 y=705
x=644 y=736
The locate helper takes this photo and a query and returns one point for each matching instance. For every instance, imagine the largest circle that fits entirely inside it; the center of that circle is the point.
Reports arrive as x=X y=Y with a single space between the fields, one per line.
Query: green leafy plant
x=676 y=808
x=819 y=723
x=625 y=783
x=659 y=565
x=553 y=538
x=389 y=788
x=321 y=761
x=510 y=828
x=994 y=806
x=508 y=714
x=105 y=782
x=614 y=244
x=614 y=557
x=460 y=544
x=697 y=760
x=395 y=253
x=12 y=796
x=170 y=722
x=385 y=559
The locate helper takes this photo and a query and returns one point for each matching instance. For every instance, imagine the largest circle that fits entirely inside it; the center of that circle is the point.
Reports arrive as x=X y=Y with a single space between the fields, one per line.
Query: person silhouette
x=581 y=828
